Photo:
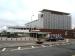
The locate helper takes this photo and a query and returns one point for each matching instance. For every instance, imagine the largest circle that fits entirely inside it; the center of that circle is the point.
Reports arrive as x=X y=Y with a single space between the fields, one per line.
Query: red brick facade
x=70 y=33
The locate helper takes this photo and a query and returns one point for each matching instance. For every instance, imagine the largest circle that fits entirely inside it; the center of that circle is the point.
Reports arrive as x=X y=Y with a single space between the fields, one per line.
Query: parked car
x=60 y=38
x=51 y=38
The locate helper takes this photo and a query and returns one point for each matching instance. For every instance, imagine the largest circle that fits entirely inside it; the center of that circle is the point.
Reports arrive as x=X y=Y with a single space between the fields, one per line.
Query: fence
x=18 y=39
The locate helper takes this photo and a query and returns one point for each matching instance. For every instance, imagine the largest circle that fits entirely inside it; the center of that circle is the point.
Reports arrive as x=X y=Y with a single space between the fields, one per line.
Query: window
x=41 y=15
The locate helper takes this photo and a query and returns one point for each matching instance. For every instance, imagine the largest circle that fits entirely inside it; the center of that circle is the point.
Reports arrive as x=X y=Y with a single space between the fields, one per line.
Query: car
x=51 y=38
x=60 y=38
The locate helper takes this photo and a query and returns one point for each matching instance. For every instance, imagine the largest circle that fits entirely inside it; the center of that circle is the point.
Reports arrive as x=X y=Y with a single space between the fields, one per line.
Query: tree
x=8 y=34
x=4 y=33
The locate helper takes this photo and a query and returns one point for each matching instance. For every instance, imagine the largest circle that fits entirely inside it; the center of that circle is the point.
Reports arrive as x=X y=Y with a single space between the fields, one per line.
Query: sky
x=19 y=12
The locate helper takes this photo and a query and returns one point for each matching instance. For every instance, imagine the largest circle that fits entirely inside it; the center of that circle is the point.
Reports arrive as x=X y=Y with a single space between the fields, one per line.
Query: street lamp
x=31 y=19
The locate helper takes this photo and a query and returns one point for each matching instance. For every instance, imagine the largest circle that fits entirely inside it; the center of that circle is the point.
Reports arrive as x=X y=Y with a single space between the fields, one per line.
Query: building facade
x=49 y=19
x=55 y=19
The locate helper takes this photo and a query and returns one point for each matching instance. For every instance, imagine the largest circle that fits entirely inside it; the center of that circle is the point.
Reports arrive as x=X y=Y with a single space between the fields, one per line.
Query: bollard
x=6 y=38
x=29 y=38
x=1 y=38
x=16 y=39
x=33 y=39
x=25 y=38
x=21 y=38
x=11 y=38
x=67 y=40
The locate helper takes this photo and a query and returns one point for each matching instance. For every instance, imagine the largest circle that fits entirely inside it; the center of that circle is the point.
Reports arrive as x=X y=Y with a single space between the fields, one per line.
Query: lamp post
x=31 y=18
x=31 y=23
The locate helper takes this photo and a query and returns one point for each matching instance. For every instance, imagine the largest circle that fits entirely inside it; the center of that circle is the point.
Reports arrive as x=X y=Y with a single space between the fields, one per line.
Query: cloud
x=21 y=11
x=73 y=26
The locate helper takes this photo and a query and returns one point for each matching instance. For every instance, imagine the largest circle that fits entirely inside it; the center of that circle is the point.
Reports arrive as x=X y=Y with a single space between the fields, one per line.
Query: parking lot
x=37 y=50
x=22 y=45
x=14 y=48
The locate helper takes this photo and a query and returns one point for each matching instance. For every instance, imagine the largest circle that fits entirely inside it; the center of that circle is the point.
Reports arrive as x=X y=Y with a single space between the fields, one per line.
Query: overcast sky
x=19 y=12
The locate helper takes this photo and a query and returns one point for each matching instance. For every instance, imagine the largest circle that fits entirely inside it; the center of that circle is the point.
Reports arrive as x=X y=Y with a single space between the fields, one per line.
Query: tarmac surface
x=46 y=51
x=11 y=43
x=24 y=48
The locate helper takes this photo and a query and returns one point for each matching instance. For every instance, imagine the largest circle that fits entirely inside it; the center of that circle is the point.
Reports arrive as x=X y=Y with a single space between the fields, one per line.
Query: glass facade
x=56 y=21
x=52 y=20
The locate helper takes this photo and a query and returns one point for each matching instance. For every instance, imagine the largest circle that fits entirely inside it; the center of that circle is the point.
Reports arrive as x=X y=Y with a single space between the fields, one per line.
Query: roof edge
x=58 y=12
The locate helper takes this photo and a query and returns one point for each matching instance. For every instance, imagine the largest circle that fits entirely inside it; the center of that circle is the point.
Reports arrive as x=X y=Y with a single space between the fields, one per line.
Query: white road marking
x=43 y=45
x=3 y=49
x=32 y=46
x=19 y=48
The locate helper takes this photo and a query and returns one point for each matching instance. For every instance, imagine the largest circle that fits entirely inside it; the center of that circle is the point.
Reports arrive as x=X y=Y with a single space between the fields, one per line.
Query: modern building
x=48 y=22
x=49 y=19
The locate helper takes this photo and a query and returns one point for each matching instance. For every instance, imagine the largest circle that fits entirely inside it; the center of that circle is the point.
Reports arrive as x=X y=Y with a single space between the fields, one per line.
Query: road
x=22 y=43
x=42 y=50
x=64 y=50
x=47 y=51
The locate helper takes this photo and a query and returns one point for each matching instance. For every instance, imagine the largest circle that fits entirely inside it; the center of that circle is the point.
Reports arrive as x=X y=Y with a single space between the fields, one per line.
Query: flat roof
x=55 y=12
x=31 y=22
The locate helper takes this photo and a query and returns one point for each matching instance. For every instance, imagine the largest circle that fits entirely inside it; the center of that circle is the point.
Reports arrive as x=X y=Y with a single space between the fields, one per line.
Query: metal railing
x=18 y=39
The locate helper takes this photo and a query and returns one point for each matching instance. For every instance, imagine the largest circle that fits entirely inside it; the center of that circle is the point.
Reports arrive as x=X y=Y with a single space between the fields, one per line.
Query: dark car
x=51 y=38
x=60 y=38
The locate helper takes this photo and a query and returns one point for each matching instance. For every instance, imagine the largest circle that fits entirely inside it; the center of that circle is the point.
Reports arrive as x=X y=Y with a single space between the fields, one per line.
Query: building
x=49 y=22
x=49 y=19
